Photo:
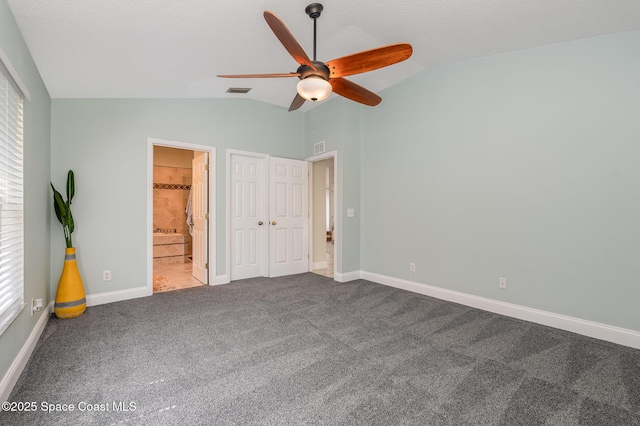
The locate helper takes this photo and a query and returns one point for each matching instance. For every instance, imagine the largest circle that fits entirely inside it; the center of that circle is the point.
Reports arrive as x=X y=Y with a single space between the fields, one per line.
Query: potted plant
x=70 y=296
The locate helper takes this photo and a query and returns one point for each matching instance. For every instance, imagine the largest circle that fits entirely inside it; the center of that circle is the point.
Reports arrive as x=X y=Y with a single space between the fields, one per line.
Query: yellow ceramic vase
x=70 y=297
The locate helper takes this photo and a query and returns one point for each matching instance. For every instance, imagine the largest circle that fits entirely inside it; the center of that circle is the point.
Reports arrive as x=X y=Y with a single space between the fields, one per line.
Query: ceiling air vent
x=238 y=89
x=318 y=148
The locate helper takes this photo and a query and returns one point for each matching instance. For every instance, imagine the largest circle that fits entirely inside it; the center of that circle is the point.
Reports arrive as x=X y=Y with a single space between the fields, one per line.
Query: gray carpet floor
x=307 y=350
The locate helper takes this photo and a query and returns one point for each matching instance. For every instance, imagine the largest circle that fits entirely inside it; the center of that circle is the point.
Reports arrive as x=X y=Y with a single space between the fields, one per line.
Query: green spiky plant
x=63 y=208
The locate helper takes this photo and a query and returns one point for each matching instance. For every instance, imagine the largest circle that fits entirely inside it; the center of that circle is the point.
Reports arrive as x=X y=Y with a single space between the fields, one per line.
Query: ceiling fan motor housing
x=321 y=71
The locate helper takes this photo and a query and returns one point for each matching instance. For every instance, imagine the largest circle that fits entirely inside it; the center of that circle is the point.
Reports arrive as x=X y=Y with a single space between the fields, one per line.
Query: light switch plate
x=351 y=213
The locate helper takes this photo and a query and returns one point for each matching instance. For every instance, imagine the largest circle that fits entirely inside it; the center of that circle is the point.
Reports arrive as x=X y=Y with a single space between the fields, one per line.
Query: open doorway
x=179 y=216
x=323 y=228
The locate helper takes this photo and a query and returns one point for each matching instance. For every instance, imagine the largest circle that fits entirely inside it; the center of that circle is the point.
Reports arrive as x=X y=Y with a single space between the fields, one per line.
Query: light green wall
x=524 y=165
x=36 y=187
x=337 y=122
x=105 y=142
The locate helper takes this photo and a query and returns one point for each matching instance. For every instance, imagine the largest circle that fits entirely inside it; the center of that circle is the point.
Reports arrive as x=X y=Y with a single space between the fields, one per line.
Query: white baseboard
x=319 y=265
x=347 y=276
x=17 y=366
x=221 y=279
x=133 y=293
x=118 y=295
x=596 y=330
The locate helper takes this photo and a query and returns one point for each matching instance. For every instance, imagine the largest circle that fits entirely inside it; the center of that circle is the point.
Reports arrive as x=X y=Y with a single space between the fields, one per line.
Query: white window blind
x=11 y=202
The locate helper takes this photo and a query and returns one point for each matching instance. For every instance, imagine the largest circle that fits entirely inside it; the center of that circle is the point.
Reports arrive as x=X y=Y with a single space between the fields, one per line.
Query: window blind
x=11 y=201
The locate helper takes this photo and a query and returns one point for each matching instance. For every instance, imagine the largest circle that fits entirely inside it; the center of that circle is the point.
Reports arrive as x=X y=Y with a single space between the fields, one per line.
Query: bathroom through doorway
x=180 y=218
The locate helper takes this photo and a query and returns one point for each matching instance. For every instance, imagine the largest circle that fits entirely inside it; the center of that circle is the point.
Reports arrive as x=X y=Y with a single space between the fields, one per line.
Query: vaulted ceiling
x=174 y=49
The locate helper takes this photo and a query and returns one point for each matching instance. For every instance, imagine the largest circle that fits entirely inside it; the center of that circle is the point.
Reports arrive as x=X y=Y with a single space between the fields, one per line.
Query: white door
x=248 y=218
x=199 y=209
x=289 y=221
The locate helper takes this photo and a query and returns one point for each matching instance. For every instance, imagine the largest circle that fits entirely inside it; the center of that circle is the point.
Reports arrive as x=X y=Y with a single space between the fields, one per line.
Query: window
x=11 y=205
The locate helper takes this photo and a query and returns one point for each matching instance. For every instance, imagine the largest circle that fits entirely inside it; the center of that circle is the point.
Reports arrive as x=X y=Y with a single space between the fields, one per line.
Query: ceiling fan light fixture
x=314 y=88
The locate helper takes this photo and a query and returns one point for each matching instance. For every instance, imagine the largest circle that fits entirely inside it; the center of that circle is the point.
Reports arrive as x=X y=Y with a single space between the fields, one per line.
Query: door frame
x=211 y=238
x=336 y=217
x=265 y=182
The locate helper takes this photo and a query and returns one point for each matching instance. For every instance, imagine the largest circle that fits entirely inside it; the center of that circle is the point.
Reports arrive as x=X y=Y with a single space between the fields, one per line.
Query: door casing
x=151 y=142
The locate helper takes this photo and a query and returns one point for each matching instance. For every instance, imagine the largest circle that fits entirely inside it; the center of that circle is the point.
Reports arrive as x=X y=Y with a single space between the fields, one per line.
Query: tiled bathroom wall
x=171 y=186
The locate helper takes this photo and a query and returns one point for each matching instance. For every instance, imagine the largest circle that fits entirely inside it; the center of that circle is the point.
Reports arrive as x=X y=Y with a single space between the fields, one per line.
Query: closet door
x=288 y=215
x=248 y=218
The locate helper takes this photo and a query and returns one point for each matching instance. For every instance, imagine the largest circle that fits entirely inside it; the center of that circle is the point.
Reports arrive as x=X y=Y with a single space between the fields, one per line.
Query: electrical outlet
x=412 y=267
x=502 y=283
x=106 y=275
x=36 y=305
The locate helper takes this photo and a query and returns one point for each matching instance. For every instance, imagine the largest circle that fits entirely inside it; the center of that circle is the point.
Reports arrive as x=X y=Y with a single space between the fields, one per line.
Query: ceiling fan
x=319 y=79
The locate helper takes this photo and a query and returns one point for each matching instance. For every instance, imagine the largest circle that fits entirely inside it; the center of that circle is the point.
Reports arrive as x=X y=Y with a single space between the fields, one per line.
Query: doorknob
x=260 y=223
x=273 y=223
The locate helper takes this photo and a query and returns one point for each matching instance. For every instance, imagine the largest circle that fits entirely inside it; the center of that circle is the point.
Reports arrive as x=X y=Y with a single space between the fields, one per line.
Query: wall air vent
x=238 y=89
x=318 y=148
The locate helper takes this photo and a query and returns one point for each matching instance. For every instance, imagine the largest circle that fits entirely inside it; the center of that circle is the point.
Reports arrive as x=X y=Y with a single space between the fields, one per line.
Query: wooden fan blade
x=369 y=60
x=298 y=101
x=350 y=90
x=287 y=39
x=291 y=74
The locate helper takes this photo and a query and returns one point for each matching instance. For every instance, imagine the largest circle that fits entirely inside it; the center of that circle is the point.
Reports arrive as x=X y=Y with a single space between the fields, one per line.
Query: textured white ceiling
x=174 y=49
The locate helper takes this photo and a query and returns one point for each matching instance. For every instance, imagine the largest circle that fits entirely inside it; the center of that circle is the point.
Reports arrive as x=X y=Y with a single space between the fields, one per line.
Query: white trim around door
x=151 y=142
